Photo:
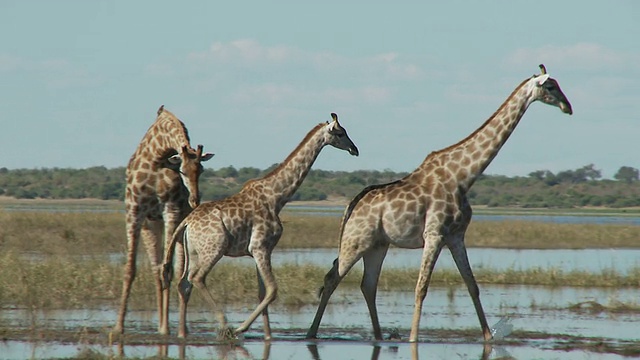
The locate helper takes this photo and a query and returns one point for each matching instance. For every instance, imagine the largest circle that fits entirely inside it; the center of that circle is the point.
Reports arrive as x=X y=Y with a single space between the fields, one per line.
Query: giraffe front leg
x=265 y=313
x=430 y=253
x=134 y=222
x=459 y=252
x=262 y=257
x=151 y=234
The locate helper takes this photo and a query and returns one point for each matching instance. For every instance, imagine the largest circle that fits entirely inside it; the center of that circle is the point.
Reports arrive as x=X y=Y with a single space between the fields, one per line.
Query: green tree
x=627 y=174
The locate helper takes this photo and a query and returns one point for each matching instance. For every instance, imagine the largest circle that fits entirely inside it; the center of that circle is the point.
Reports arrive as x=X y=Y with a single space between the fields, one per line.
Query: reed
x=66 y=282
x=53 y=233
x=323 y=231
x=100 y=233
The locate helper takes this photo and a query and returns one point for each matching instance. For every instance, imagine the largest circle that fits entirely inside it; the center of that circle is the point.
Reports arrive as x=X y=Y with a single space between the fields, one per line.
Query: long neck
x=467 y=159
x=288 y=176
x=170 y=134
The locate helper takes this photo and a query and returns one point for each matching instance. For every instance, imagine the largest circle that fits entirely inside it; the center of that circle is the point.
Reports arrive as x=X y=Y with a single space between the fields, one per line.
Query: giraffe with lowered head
x=247 y=224
x=162 y=188
x=429 y=209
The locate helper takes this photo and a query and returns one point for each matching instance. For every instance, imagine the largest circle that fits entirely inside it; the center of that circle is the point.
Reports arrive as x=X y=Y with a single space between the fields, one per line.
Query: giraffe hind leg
x=331 y=274
x=369 y=286
x=459 y=252
x=184 y=288
x=200 y=272
x=331 y=281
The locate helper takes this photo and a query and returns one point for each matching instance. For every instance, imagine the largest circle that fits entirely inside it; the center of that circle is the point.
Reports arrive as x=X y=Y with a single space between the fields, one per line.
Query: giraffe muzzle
x=565 y=107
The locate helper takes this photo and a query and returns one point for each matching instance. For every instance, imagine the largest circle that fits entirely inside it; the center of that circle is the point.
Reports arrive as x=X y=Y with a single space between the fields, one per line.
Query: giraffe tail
x=167 y=266
x=329 y=277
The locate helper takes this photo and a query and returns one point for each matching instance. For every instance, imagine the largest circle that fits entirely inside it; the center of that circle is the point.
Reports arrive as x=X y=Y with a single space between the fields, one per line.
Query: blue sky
x=80 y=81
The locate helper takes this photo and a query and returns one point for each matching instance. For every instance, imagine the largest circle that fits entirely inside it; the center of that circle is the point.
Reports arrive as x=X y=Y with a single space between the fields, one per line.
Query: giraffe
x=162 y=188
x=247 y=224
x=429 y=208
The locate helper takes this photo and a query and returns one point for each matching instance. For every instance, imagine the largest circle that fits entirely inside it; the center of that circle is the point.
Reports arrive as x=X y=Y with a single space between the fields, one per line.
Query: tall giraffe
x=429 y=208
x=162 y=188
x=247 y=224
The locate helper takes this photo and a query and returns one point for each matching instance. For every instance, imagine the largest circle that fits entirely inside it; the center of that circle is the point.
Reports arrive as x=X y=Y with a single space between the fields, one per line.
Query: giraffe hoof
x=227 y=333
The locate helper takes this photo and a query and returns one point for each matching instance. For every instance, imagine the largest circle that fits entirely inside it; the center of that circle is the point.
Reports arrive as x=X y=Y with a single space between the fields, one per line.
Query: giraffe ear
x=542 y=79
x=206 y=156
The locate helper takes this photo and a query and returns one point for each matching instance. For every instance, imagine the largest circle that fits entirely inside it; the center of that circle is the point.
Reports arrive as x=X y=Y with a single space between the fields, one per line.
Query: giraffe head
x=547 y=90
x=336 y=136
x=187 y=163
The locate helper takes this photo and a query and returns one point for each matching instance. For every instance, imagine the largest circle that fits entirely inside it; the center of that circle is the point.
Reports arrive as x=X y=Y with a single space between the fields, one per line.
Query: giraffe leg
x=265 y=312
x=184 y=293
x=134 y=222
x=459 y=252
x=178 y=268
x=263 y=261
x=331 y=281
x=151 y=233
x=369 y=286
x=172 y=216
x=430 y=253
x=197 y=272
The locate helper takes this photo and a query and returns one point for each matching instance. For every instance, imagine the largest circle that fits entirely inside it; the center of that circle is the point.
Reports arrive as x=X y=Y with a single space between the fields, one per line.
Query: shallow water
x=577 y=218
x=345 y=332
x=587 y=260
x=544 y=325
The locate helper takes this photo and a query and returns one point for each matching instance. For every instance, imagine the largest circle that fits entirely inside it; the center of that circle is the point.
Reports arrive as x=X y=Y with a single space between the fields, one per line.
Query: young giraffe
x=247 y=224
x=429 y=208
x=162 y=188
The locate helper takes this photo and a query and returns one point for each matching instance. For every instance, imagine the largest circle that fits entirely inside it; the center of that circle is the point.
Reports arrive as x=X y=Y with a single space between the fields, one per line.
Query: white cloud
x=158 y=70
x=61 y=74
x=253 y=74
x=250 y=53
x=55 y=73
x=244 y=51
x=8 y=62
x=582 y=55
x=286 y=94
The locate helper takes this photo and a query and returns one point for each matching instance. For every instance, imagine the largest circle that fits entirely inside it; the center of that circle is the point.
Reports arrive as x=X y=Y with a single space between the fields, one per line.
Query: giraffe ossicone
x=429 y=209
x=246 y=224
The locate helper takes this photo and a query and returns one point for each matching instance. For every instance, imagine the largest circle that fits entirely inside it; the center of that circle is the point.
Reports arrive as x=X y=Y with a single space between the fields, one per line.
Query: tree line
x=540 y=189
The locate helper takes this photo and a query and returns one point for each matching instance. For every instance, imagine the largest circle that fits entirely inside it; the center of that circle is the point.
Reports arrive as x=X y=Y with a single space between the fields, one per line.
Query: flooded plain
x=549 y=322
x=545 y=326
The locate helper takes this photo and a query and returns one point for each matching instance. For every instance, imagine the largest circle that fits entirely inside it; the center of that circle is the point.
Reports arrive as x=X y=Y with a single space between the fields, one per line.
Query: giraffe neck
x=165 y=137
x=171 y=135
x=467 y=159
x=284 y=180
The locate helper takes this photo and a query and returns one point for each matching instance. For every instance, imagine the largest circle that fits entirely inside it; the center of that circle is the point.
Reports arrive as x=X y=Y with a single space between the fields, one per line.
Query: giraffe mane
x=295 y=151
x=448 y=148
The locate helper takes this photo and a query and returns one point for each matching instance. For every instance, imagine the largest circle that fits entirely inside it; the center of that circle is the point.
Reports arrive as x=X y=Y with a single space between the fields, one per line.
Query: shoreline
x=331 y=203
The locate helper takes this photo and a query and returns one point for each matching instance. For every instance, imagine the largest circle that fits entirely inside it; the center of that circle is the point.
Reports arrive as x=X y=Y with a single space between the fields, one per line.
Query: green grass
x=85 y=233
x=322 y=231
x=64 y=282
x=59 y=260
